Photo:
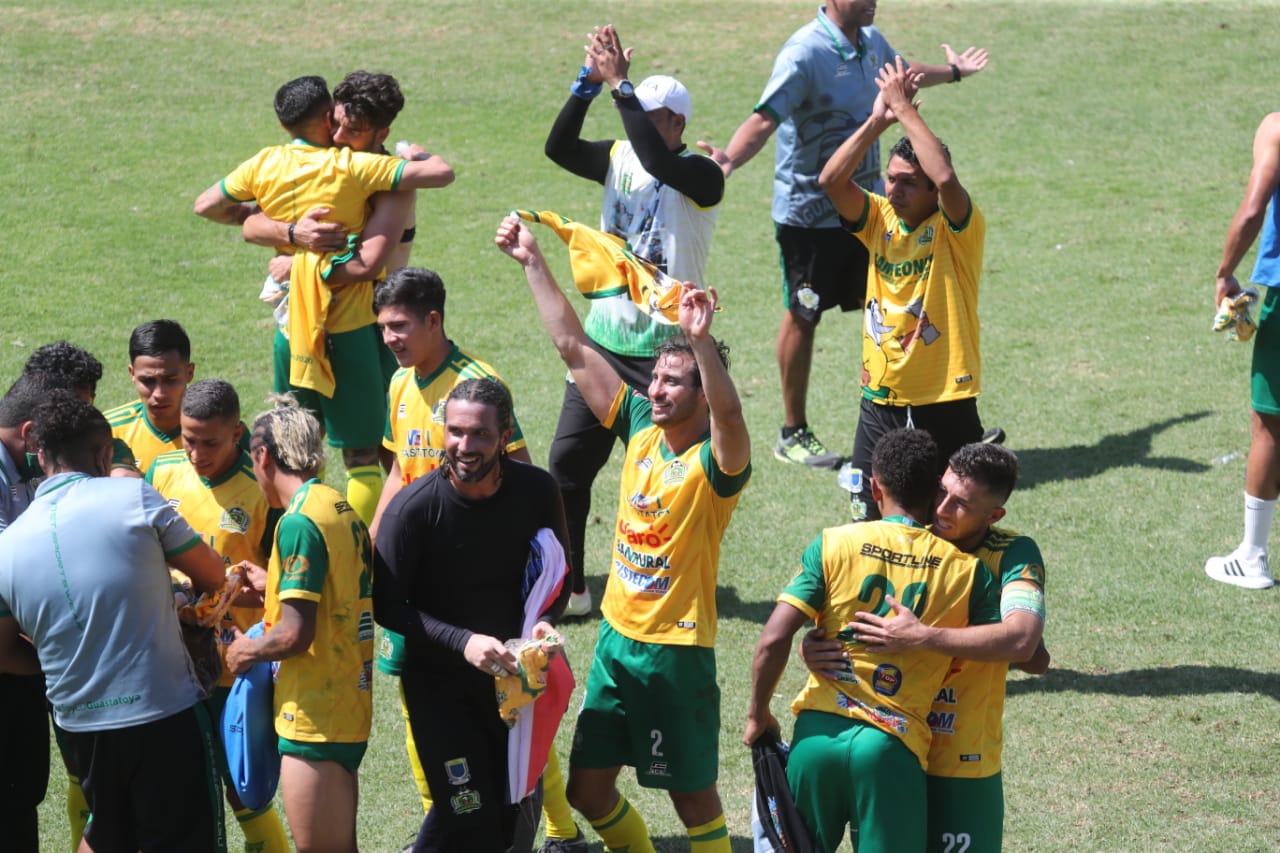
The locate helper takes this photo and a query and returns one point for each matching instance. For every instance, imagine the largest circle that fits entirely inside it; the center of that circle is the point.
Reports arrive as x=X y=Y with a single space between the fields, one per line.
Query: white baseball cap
x=663 y=91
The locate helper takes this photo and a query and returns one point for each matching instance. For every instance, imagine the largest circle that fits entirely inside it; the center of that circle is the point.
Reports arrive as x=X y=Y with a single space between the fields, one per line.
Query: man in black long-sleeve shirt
x=662 y=199
x=449 y=575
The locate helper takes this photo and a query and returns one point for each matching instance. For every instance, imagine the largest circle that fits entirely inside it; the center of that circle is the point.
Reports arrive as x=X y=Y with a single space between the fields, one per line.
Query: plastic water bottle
x=850 y=479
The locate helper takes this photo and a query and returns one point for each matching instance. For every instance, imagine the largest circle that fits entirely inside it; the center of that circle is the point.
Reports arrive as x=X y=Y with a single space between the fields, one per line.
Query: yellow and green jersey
x=852 y=568
x=672 y=513
x=288 y=180
x=136 y=441
x=322 y=554
x=968 y=711
x=920 y=329
x=415 y=416
x=229 y=513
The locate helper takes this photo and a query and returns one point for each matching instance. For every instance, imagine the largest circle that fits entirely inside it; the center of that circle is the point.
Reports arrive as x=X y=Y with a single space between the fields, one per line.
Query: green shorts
x=349 y=755
x=356 y=415
x=847 y=772
x=966 y=814
x=391 y=653
x=653 y=707
x=1264 y=378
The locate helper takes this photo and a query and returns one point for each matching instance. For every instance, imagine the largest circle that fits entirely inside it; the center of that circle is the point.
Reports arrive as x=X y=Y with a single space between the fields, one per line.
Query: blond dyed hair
x=291 y=435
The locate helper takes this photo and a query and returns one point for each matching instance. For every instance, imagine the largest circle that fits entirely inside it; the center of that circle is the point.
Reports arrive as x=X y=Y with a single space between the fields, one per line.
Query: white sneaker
x=1250 y=573
x=579 y=604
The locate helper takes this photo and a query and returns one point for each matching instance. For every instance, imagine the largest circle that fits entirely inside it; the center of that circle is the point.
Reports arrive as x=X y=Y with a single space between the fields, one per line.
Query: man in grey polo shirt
x=83 y=574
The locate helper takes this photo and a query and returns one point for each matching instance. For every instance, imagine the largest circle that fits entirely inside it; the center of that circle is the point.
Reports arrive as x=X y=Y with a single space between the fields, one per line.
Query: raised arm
x=730 y=441
x=596 y=379
x=898 y=86
x=1253 y=208
x=431 y=172
x=836 y=178
x=957 y=66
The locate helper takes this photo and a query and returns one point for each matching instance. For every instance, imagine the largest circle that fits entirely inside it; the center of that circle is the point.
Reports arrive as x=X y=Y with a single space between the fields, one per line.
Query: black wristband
x=408 y=234
x=955 y=73
x=291 y=226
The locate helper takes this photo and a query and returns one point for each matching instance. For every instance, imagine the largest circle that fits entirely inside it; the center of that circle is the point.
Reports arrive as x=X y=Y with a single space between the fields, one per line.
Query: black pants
x=952 y=425
x=462 y=744
x=580 y=448
x=24 y=756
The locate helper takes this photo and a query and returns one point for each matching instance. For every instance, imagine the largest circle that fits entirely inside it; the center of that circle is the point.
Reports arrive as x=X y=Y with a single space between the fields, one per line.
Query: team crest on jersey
x=437 y=413
x=402 y=410
x=234 y=519
x=675 y=473
x=466 y=801
x=808 y=297
x=294 y=565
x=926 y=236
x=414 y=438
x=458 y=771
x=886 y=680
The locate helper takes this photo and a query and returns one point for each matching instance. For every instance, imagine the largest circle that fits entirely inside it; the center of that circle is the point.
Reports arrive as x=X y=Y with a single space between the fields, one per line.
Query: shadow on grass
x=730 y=606
x=1157 y=681
x=1120 y=450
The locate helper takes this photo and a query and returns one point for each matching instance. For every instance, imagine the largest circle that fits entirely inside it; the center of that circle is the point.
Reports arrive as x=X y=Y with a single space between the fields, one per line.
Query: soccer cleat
x=803 y=447
x=1238 y=571
x=1233 y=314
x=577 y=844
x=995 y=435
x=579 y=604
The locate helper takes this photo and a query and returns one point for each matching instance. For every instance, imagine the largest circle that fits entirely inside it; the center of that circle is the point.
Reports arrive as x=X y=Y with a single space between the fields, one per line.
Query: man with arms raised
x=211 y=483
x=319 y=631
x=334 y=359
x=83 y=573
x=651 y=698
x=966 y=788
x=921 y=364
x=862 y=734
x=820 y=91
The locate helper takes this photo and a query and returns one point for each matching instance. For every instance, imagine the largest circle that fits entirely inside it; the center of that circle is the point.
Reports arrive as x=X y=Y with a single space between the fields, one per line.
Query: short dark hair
x=679 y=345
x=66 y=428
x=992 y=466
x=367 y=98
x=419 y=290
x=24 y=396
x=905 y=464
x=489 y=392
x=209 y=399
x=157 y=338
x=65 y=365
x=302 y=100
x=904 y=149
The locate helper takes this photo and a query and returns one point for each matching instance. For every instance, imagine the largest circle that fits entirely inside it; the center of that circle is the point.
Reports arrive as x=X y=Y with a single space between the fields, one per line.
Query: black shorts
x=821 y=268
x=152 y=787
x=952 y=425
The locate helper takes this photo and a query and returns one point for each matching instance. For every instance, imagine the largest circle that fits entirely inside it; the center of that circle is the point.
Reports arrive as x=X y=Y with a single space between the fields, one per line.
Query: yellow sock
x=77 y=811
x=364 y=486
x=415 y=764
x=555 y=805
x=623 y=829
x=263 y=831
x=711 y=837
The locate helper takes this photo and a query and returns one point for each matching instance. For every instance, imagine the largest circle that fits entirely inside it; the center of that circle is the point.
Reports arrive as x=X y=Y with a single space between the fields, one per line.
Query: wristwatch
x=624 y=90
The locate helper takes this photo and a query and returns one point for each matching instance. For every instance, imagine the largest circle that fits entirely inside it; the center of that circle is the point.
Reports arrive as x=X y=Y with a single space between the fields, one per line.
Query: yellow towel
x=309 y=299
x=603 y=265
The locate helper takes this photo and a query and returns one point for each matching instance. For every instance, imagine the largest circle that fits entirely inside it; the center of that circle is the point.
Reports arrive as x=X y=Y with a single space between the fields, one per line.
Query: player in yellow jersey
x=334 y=358
x=410 y=310
x=920 y=358
x=651 y=697
x=160 y=367
x=211 y=484
x=319 y=631
x=862 y=733
x=966 y=792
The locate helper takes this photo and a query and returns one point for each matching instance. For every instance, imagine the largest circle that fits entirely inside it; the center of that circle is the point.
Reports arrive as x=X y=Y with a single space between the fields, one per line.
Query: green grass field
x=1108 y=144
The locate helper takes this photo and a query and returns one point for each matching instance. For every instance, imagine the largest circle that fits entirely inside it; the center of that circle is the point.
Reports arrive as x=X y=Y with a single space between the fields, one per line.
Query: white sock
x=1257 y=526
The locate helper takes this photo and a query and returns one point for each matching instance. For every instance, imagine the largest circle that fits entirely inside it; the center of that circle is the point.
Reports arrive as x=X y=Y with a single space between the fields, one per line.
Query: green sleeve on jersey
x=122 y=455
x=633 y=414
x=809 y=586
x=1022 y=562
x=725 y=485
x=304 y=557
x=185 y=547
x=395 y=182
x=861 y=222
x=984 y=599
